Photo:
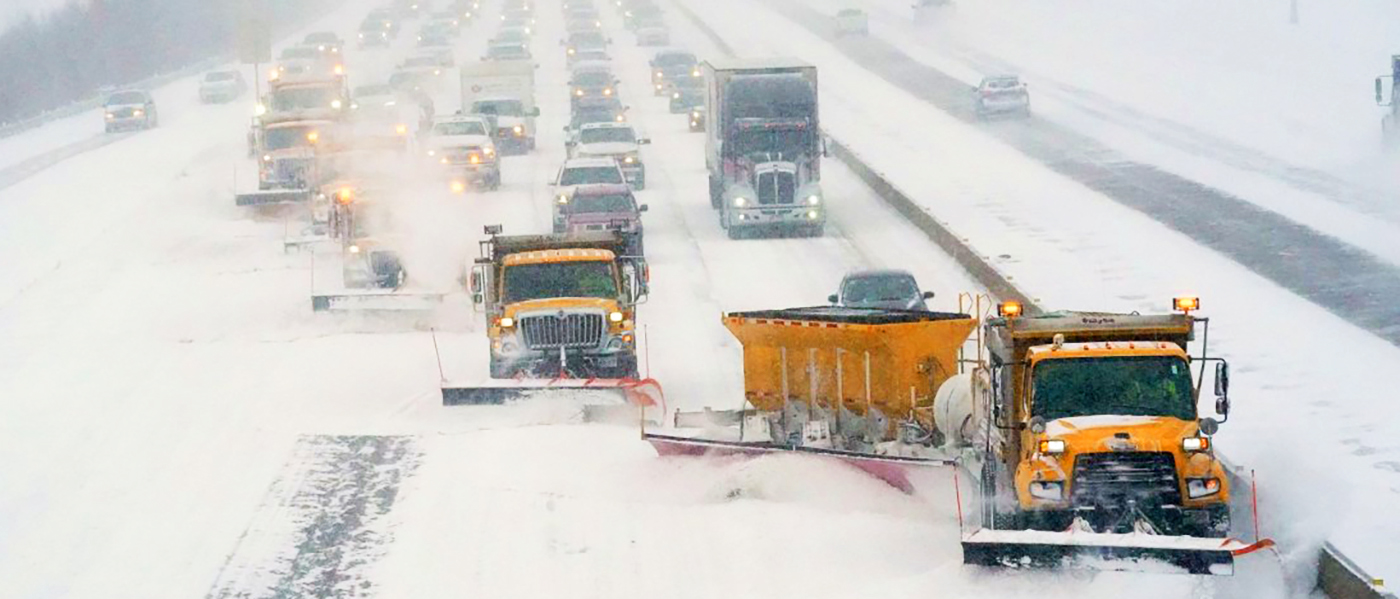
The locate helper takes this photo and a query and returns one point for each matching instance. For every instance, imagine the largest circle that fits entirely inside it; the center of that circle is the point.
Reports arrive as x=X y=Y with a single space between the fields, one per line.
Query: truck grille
x=775 y=188
x=567 y=330
x=287 y=169
x=1110 y=478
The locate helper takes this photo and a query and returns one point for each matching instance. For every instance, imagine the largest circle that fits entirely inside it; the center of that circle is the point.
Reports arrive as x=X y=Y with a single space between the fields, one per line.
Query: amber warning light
x=1009 y=309
x=1187 y=304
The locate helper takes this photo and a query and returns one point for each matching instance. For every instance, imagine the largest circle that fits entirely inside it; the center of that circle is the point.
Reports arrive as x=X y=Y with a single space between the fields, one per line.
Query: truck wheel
x=500 y=370
x=716 y=199
x=735 y=232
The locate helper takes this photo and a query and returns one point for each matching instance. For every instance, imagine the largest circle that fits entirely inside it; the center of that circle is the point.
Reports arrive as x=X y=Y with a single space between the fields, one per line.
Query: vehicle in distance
x=890 y=289
x=129 y=109
x=1002 y=94
x=221 y=86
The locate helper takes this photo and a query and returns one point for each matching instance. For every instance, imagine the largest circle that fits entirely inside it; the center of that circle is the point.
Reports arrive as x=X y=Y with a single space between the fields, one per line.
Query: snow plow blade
x=602 y=400
x=1105 y=551
x=376 y=301
x=276 y=196
x=893 y=470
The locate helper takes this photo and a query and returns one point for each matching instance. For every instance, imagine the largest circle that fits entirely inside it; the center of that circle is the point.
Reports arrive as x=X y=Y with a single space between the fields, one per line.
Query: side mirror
x=477 y=298
x=832 y=299
x=570 y=143
x=1222 y=379
x=642 y=208
x=1378 y=90
x=566 y=128
x=534 y=111
x=644 y=141
x=928 y=295
x=1222 y=406
x=550 y=183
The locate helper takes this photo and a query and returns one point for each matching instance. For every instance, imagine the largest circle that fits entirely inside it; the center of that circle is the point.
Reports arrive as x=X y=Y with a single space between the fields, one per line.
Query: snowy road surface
x=176 y=423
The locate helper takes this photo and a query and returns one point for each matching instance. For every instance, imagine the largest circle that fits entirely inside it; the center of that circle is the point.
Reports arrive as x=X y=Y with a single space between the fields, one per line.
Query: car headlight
x=620 y=118
x=629 y=159
x=578 y=92
x=111 y=116
x=267 y=157
x=1195 y=444
x=1052 y=446
x=607 y=91
x=695 y=114
x=562 y=199
x=137 y=112
x=615 y=316
x=676 y=96
x=432 y=152
x=507 y=322
x=814 y=199
x=490 y=151
x=1053 y=490
x=354 y=249
x=571 y=51
x=336 y=104
x=1202 y=487
x=740 y=201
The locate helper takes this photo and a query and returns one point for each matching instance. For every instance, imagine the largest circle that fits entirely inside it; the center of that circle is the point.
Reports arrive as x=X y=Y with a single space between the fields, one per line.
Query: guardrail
x=1338 y=576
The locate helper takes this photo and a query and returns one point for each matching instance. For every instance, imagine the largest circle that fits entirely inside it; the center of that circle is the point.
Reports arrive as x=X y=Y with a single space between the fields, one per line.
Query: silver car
x=894 y=289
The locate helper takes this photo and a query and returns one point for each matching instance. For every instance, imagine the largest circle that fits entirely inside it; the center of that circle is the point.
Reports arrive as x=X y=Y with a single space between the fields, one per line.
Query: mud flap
x=1129 y=552
x=376 y=301
x=276 y=196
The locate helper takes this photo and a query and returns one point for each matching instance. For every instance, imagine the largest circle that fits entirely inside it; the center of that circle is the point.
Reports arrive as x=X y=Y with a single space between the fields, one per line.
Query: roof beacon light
x=1186 y=304
x=1009 y=309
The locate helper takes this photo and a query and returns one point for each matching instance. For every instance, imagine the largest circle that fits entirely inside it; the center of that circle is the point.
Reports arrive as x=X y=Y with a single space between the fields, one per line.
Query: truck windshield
x=499 y=107
x=600 y=203
x=286 y=137
x=789 y=142
x=303 y=98
x=558 y=279
x=607 y=134
x=590 y=174
x=1121 y=385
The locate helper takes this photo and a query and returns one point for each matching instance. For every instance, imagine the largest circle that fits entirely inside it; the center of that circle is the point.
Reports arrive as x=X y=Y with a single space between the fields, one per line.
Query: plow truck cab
x=560 y=306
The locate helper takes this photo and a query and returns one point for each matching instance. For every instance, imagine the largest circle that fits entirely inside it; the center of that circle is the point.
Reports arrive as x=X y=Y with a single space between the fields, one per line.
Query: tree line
x=74 y=52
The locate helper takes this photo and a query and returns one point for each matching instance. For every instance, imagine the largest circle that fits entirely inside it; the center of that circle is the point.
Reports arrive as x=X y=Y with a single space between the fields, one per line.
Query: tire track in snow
x=32 y=166
x=319 y=527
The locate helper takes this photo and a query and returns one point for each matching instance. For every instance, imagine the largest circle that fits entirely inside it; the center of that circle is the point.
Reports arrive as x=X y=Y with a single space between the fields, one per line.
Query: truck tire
x=735 y=232
x=716 y=197
x=500 y=370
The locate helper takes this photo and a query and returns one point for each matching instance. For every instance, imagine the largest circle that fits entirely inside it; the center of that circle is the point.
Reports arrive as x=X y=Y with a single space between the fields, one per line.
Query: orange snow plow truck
x=1082 y=430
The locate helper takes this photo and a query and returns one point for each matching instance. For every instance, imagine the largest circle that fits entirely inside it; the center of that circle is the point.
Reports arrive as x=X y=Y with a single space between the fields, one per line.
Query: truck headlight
x=615 y=316
x=111 y=116
x=814 y=199
x=507 y=322
x=267 y=157
x=607 y=91
x=1053 y=490
x=1202 y=487
x=676 y=96
x=578 y=92
x=518 y=130
x=629 y=159
x=336 y=104
x=660 y=74
x=137 y=112
x=740 y=201
x=813 y=214
x=1052 y=446
x=354 y=249
x=562 y=199
x=1195 y=444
